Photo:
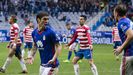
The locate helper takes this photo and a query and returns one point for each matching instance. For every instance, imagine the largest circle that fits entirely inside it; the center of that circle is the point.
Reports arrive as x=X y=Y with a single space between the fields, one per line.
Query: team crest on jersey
x=44 y=37
x=123 y=27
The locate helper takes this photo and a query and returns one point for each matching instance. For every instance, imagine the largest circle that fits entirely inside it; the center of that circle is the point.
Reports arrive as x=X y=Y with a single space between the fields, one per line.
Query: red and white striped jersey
x=115 y=34
x=83 y=35
x=14 y=32
x=27 y=34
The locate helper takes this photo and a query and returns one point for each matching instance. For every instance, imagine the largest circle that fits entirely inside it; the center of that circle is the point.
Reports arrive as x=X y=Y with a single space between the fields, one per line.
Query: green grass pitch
x=102 y=54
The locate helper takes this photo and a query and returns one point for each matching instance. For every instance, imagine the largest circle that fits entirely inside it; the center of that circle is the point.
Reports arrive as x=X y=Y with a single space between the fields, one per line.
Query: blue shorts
x=86 y=53
x=28 y=45
x=116 y=44
x=18 y=51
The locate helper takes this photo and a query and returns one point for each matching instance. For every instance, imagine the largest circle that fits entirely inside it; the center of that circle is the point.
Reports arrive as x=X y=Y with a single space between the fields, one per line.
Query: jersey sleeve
x=24 y=31
x=16 y=31
x=54 y=37
x=124 y=27
x=89 y=37
x=72 y=31
x=113 y=31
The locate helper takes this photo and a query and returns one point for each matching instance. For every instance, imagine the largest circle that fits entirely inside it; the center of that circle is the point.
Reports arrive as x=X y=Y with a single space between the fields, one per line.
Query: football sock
x=76 y=69
x=69 y=55
x=29 y=52
x=75 y=52
x=94 y=69
x=23 y=52
x=23 y=64
x=7 y=62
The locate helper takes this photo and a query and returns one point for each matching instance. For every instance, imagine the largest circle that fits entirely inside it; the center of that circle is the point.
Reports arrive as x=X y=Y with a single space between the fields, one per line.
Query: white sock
x=7 y=62
x=23 y=52
x=23 y=65
x=76 y=69
x=29 y=53
x=121 y=69
x=94 y=69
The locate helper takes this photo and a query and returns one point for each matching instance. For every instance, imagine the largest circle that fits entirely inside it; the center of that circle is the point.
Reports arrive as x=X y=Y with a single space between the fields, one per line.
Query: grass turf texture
x=102 y=54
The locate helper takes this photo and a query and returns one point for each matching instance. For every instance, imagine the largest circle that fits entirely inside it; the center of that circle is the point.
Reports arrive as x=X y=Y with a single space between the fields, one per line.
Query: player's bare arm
x=91 y=47
x=58 y=48
x=33 y=52
x=15 y=41
x=8 y=45
x=128 y=40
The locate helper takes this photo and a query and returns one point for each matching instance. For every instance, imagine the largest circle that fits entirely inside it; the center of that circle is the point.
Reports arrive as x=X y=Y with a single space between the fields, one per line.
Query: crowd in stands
x=27 y=8
x=109 y=19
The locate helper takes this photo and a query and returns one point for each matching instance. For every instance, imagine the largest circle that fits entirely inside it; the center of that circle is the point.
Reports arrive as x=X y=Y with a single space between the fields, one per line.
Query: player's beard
x=41 y=28
x=81 y=23
x=10 y=22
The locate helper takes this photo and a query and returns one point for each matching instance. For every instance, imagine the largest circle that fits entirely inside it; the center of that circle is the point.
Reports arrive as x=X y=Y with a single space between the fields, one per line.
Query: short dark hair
x=28 y=22
x=40 y=15
x=121 y=10
x=85 y=18
x=14 y=18
x=68 y=24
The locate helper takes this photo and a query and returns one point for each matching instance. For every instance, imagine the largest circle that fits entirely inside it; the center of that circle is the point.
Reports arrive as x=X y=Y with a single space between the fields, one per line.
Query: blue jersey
x=123 y=25
x=45 y=42
x=71 y=33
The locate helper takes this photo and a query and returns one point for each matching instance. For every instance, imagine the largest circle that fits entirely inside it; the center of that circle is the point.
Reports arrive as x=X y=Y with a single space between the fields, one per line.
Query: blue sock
x=69 y=55
x=75 y=52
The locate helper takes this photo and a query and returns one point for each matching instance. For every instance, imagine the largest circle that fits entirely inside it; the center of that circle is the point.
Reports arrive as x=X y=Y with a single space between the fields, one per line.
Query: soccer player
x=47 y=42
x=125 y=28
x=83 y=34
x=14 y=46
x=116 y=39
x=74 y=45
x=27 y=38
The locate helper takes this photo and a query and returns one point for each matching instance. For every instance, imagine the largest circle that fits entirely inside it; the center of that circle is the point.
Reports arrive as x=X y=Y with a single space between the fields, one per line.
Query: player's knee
x=74 y=61
x=91 y=62
x=19 y=57
x=11 y=54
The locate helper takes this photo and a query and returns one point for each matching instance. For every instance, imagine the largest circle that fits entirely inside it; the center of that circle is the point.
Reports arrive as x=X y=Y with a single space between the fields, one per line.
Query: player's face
x=42 y=22
x=68 y=27
x=81 y=20
x=31 y=24
x=11 y=20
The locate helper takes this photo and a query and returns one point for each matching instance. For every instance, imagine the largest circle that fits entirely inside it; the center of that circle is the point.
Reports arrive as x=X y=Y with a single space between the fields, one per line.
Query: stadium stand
x=61 y=12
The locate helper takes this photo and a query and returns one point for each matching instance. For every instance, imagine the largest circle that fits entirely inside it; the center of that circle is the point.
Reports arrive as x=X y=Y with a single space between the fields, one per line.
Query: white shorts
x=48 y=71
x=126 y=67
x=73 y=46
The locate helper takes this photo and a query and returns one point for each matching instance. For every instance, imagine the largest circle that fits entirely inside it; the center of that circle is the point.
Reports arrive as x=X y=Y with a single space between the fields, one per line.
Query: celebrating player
x=47 y=42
